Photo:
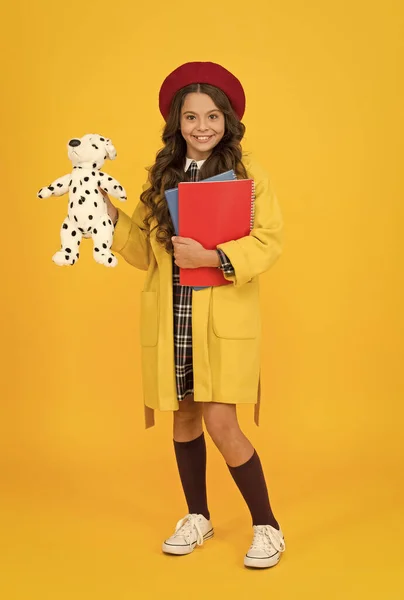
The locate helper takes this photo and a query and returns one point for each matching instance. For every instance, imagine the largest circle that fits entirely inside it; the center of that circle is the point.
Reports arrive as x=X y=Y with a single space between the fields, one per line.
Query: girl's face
x=202 y=125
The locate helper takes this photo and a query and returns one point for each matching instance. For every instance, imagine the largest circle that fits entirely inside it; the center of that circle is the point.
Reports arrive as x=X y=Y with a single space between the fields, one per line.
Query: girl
x=201 y=351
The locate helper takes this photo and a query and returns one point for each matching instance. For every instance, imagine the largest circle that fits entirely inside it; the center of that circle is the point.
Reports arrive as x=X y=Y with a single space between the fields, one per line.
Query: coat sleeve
x=130 y=238
x=256 y=253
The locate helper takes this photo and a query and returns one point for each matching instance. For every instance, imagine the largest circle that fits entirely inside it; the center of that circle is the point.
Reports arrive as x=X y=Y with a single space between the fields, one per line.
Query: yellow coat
x=226 y=324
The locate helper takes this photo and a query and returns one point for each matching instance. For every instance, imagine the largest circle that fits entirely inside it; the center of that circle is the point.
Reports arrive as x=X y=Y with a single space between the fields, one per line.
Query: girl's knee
x=188 y=410
x=220 y=421
x=187 y=423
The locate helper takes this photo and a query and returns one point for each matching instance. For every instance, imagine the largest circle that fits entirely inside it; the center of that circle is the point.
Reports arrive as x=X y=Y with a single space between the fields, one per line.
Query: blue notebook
x=172 y=201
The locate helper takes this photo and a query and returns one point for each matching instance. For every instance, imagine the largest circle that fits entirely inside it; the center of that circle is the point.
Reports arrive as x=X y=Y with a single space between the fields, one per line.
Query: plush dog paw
x=62 y=258
x=45 y=192
x=106 y=258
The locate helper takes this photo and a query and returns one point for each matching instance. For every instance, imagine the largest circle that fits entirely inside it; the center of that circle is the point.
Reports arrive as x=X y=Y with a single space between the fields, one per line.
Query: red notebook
x=213 y=212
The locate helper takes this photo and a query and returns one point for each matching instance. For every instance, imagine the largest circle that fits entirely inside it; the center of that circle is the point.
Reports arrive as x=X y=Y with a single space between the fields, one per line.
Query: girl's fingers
x=106 y=197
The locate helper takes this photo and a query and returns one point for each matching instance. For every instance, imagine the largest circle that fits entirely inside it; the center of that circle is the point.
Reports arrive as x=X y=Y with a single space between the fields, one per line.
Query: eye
x=189 y=117
x=214 y=116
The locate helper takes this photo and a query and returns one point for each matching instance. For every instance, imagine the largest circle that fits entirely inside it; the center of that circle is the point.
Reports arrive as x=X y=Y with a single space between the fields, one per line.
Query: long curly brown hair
x=168 y=170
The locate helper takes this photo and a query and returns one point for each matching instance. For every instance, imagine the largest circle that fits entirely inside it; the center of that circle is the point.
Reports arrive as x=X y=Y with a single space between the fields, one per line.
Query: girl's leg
x=187 y=423
x=241 y=458
x=190 y=452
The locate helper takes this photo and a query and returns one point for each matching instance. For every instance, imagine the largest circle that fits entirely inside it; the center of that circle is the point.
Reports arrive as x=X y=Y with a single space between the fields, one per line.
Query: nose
x=74 y=143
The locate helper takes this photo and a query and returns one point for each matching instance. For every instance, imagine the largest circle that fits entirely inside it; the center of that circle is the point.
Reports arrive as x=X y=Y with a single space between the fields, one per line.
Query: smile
x=203 y=138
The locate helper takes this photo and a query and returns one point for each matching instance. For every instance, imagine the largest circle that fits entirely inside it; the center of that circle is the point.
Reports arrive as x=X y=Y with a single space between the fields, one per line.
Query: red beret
x=202 y=72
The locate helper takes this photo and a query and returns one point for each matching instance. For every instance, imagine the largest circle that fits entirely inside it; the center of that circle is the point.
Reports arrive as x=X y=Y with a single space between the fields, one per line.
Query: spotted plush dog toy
x=87 y=212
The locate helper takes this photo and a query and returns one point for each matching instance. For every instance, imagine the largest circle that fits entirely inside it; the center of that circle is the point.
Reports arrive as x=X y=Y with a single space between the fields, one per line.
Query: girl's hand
x=188 y=253
x=112 y=211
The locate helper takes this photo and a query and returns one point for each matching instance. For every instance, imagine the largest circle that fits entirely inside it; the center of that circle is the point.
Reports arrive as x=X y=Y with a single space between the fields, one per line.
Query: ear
x=110 y=150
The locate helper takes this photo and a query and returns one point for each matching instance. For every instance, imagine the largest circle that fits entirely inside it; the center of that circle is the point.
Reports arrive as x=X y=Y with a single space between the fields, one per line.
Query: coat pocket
x=149 y=319
x=236 y=312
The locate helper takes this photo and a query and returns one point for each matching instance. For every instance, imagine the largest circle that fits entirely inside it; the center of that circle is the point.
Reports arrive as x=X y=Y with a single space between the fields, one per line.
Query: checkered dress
x=182 y=306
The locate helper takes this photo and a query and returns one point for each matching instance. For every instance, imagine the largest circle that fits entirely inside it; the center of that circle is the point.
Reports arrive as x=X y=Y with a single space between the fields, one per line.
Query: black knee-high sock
x=250 y=480
x=191 y=461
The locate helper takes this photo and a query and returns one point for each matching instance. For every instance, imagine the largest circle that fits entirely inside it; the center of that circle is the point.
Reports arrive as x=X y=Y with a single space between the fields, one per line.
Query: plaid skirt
x=182 y=309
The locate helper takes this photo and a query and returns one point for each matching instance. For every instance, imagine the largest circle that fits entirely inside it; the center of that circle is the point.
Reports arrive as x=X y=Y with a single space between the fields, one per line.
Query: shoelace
x=265 y=536
x=185 y=527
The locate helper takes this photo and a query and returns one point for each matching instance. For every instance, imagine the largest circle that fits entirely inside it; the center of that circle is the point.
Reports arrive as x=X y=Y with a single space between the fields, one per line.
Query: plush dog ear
x=110 y=149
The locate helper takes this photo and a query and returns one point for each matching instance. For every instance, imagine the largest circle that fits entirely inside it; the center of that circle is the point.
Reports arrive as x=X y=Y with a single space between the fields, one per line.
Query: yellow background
x=87 y=495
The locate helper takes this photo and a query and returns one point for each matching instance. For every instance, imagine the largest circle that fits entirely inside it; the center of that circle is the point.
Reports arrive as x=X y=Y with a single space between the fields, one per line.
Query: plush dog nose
x=74 y=143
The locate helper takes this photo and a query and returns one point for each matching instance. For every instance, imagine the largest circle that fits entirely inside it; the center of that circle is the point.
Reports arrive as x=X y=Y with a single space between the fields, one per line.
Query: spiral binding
x=252 y=205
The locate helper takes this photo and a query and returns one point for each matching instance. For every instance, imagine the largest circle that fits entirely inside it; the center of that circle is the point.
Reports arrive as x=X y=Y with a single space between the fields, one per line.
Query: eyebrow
x=191 y=112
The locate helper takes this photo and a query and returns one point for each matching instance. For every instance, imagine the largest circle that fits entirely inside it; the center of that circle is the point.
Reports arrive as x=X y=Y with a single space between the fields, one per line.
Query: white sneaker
x=265 y=550
x=190 y=531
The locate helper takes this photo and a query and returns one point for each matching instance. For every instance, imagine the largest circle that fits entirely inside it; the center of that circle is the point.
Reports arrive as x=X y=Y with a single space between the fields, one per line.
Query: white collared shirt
x=188 y=162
